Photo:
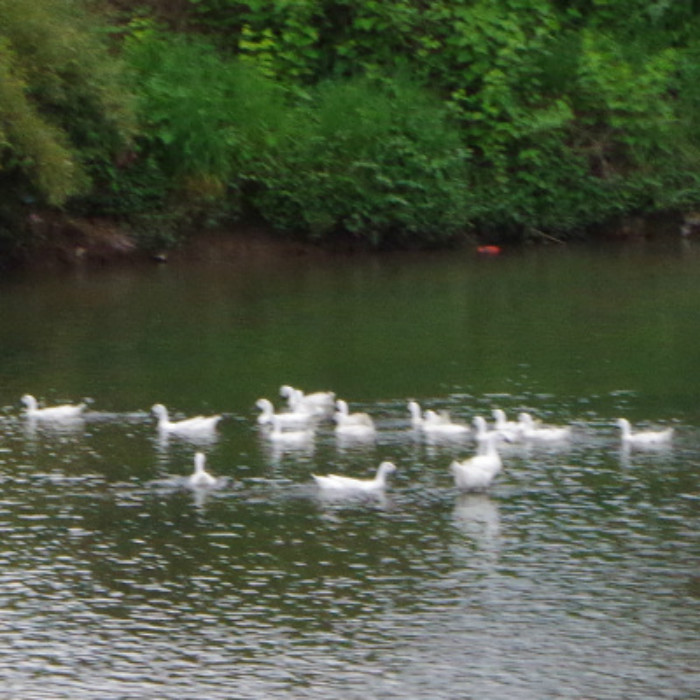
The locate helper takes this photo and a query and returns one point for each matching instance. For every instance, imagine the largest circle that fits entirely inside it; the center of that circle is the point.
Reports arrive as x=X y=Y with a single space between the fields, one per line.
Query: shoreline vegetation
x=129 y=128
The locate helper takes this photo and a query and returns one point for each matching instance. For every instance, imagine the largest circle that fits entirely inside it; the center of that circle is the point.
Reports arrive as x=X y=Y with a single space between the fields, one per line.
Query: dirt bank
x=60 y=241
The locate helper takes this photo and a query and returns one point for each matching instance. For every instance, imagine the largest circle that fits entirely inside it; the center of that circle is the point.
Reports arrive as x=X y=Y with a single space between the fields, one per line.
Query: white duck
x=511 y=430
x=200 y=478
x=62 y=412
x=289 y=419
x=434 y=423
x=441 y=424
x=199 y=425
x=346 y=485
x=644 y=437
x=352 y=424
x=477 y=473
x=530 y=431
x=319 y=402
x=289 y=436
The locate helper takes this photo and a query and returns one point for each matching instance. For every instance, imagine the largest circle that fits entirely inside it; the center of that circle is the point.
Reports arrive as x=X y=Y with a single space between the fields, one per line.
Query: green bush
x=63 y=102
x=202 y=120
x=380 y=160
x=202 y=116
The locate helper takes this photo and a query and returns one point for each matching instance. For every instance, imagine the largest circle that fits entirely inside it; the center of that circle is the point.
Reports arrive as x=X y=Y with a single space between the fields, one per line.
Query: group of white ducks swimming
x=298 y=420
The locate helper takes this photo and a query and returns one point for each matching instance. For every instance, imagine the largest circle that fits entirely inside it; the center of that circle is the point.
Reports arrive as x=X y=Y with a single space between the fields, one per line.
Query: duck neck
x=163 y=418
x=481 y=429
x=382 y=471
x=416 y=418
x=490 y=446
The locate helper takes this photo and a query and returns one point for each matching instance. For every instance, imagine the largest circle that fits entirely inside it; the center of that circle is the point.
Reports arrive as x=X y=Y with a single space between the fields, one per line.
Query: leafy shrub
x=202 y=117
x=62 y=100
x=379 y=160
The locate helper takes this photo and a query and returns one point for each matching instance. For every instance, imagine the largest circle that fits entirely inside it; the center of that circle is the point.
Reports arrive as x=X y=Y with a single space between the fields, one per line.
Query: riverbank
x=58 y=241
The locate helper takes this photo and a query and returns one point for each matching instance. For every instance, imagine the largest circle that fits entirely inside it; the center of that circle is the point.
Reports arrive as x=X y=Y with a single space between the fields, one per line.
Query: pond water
x=575 y=576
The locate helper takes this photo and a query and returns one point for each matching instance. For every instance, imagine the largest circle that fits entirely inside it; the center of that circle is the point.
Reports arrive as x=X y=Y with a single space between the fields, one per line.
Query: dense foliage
x=62 y=99
x=394 y=121
x=381 y=161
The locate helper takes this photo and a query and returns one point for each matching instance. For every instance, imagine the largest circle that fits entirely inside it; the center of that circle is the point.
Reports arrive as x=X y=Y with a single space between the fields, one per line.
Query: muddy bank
x=59 y=241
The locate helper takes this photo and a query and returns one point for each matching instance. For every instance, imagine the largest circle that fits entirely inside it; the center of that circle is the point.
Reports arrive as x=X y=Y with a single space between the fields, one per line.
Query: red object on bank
x=489 y=249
